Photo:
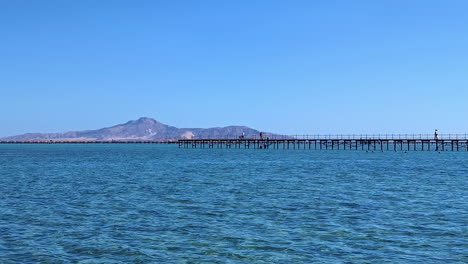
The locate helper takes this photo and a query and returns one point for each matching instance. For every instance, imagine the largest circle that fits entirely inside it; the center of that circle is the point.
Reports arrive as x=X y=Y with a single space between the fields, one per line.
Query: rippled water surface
x=161 y=204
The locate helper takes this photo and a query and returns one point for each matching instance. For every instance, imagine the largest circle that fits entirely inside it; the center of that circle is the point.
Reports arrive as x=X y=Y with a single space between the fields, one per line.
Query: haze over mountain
x=142 y=129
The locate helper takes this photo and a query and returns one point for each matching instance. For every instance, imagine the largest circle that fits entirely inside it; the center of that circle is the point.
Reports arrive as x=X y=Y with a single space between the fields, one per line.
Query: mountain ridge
x=143 y=128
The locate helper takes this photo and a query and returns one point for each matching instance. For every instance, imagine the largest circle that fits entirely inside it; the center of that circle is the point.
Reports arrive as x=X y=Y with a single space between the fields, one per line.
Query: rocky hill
x=143 y=129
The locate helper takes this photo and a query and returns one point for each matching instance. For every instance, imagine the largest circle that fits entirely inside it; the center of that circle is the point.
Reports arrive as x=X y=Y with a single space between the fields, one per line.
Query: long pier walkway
x=448 y=142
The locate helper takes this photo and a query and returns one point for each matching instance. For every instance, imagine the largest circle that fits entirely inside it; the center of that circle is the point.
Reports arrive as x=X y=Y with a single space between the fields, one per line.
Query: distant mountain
x=142 y=129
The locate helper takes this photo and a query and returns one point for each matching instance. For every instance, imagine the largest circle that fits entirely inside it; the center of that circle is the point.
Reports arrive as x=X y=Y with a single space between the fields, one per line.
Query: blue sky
x=282 y=66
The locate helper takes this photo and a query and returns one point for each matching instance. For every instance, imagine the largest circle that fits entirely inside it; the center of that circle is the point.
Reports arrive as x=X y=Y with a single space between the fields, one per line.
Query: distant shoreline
x=88 y=142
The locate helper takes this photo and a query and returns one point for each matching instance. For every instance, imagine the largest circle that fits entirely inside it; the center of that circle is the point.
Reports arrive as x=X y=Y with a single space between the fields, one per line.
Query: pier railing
x=345 y=136
x=385 y=136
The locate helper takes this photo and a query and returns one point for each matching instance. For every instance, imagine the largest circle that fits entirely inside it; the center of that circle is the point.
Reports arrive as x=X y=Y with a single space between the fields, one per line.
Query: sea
x=161 y=204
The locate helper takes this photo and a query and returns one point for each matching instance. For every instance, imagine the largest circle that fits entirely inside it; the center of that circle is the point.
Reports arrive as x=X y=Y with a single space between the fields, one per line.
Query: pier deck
x=365 y=143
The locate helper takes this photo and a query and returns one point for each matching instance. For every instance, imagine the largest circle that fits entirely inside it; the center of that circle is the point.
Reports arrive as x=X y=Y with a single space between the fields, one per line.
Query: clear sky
x=282 y=66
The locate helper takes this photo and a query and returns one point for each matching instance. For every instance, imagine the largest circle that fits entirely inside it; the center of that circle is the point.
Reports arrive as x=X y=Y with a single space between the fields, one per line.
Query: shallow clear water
x=161 y=204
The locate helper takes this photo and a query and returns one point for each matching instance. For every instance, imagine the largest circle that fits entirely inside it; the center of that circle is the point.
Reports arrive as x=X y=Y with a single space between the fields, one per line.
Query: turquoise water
x=161 y=204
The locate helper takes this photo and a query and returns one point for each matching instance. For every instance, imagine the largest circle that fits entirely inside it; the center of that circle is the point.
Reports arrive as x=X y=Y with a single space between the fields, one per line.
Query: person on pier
x=436 y=134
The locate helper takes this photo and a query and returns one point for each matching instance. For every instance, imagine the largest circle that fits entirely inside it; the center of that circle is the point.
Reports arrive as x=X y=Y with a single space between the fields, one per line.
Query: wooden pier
x=448 y=142
x=363 y=143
